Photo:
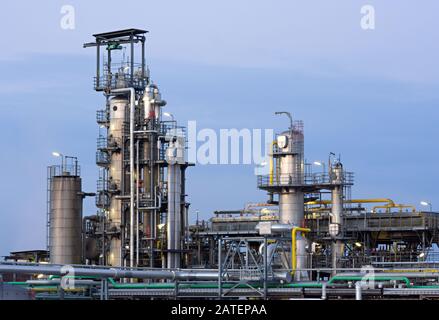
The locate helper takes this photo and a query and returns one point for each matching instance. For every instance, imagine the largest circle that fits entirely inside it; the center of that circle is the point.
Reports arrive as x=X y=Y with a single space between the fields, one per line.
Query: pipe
x=60 y=270
x=132 y=93
x=389 y=206
x=293 y=247
x=324 y=295
x=288 y=115
x=116 y=273
x=278 y=227
x=390 y=203
x=272 y=162
x=358 y=290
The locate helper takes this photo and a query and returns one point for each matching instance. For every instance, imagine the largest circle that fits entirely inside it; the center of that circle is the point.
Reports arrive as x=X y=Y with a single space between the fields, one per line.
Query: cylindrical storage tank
x=65 y=241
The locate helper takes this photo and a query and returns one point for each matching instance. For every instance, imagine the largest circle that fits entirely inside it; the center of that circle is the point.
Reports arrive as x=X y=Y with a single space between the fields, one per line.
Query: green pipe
x=17 y=283
x=303 y=285
x=117 y=285
x=201 y=285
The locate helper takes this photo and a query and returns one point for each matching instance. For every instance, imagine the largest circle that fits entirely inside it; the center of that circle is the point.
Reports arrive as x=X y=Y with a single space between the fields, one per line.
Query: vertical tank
x=65 y=219
x=175 y=157
x=291 y=172
x=118 y=106
x=336 y=225
x=291 y=198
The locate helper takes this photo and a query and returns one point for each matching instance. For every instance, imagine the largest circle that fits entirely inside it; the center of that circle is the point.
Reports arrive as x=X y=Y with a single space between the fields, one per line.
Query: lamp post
x=59 y=155
x=320 y=164
x=167 y=114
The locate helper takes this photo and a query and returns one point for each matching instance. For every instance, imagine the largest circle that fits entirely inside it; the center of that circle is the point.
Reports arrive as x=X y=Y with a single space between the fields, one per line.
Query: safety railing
x=118 y=81
x=102 y=158
x=102 y=117
x=103 y=143
x=303 y=179
x=65 y=169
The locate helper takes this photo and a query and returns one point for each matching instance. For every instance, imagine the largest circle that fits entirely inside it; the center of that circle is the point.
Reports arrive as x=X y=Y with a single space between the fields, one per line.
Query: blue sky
x=370 y=95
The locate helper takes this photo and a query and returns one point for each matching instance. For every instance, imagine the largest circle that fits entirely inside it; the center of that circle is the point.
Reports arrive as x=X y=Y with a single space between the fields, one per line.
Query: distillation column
x=175 y=158
x=291 y=167
x=291 y=197
x=150 y=175
x=132 y=201
x=118 y=107
x=336 y=226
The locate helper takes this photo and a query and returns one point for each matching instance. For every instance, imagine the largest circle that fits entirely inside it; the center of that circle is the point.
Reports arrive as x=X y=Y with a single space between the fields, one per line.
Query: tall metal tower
x=142 y=163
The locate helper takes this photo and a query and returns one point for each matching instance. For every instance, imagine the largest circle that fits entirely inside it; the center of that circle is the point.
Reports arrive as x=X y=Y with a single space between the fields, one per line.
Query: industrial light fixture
x=59 y=154
x=160 y=226
x=427 y=204
x=358 y=244
x=167 y=114
x=320 y=164
x=421 y=255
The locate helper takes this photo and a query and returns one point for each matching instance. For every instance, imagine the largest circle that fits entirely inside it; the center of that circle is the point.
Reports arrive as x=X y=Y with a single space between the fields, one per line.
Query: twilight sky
x=370 y=95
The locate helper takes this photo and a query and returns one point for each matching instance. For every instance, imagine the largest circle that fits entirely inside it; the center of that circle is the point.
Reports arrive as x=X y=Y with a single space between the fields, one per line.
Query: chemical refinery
x=307 y=238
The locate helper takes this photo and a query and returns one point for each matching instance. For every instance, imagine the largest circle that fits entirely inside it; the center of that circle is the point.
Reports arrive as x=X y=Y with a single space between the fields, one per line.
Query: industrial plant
x=308 y=237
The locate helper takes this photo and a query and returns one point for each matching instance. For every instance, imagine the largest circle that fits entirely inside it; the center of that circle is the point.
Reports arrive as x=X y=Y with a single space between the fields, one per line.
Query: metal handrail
x=303 y=179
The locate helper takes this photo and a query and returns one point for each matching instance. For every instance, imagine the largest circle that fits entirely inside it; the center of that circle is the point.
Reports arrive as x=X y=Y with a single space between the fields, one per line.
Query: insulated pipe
x=293 y=247
x=278 y=227
x=117 y=273
x=132 y=94
x=324 y=295
x=60 y=270
x=272 y=162
x=349 y=275
x=358 y=290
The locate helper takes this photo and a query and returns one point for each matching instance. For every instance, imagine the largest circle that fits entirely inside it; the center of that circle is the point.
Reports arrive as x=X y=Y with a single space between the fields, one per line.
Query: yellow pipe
x=390 y=203
x=388 y=207
x=293 y=247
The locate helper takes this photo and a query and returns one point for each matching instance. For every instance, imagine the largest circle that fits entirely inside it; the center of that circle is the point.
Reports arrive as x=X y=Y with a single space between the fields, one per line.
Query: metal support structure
x=265 y=267
x=220 y=269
